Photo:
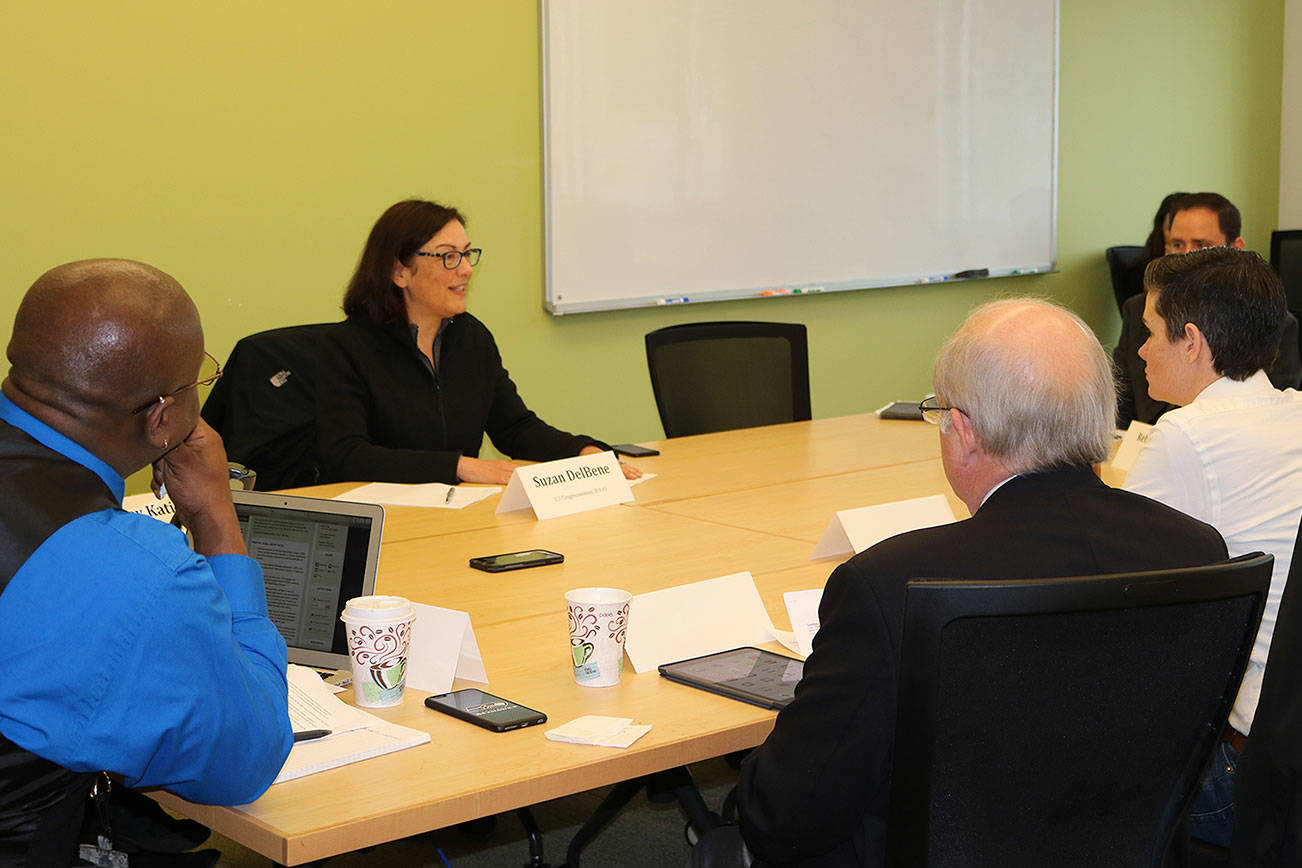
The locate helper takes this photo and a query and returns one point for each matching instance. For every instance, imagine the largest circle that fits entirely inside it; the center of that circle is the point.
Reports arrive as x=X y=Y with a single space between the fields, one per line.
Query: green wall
x=247 y=148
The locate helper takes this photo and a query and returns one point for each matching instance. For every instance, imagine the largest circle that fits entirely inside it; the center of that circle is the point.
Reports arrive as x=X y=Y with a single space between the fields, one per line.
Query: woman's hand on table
x=630 y=472
x=482 y=470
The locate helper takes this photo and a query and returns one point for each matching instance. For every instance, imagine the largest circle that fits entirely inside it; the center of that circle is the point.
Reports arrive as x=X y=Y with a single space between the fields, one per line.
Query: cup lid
x=377 y=607
x=597 y=596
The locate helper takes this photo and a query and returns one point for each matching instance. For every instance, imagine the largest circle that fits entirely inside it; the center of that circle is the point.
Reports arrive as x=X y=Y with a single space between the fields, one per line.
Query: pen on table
x=448 y=499
x=309 y=734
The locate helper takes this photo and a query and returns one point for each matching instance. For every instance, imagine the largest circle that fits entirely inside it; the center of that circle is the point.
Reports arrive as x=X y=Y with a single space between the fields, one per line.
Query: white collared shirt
x=1233 y=458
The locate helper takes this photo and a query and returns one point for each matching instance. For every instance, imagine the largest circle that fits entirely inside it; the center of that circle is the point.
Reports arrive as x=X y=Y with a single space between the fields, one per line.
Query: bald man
x=123 y=649
x=1024 y=400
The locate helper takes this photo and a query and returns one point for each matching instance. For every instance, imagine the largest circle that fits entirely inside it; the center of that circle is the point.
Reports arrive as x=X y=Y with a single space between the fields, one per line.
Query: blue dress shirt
x=121 y=649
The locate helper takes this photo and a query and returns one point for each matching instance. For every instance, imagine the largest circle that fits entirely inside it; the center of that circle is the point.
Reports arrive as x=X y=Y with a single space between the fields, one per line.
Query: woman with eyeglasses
x=409 y=384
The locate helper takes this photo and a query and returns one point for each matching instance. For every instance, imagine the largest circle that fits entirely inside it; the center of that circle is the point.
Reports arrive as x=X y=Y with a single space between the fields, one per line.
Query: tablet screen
x=749 y=674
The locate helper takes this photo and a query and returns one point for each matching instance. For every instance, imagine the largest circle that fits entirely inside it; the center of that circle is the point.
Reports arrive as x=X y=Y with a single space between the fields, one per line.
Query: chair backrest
x=718 y=376
x=1063 y=722
x=1286 y=257
x=264 y=406
x=1268 y=792
x=1126 y=279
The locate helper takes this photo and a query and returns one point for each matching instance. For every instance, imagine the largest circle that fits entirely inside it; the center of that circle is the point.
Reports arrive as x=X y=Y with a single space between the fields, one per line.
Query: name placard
x=853 y=530
x=567 y=486
x=443 y=648
x=1131 y=445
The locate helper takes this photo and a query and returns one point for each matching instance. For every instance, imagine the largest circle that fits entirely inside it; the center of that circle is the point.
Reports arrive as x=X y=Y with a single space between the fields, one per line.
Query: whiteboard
x=698 y=150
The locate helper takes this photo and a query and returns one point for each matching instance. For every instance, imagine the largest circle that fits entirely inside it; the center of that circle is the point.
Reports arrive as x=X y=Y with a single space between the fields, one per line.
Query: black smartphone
x=485 y=709
x=516 y=560
x=632 y=450
x=901 y=410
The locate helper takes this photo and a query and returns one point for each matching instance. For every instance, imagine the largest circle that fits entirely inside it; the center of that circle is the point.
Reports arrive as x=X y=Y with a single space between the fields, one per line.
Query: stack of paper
x=355 y=734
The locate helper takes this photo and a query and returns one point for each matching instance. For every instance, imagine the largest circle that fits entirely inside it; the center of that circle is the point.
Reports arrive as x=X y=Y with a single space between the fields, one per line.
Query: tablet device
x=750 y=674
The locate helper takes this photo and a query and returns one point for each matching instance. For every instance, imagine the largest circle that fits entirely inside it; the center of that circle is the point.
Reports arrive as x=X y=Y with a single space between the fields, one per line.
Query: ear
x=401 y=273
x=1194 y=344
x=158 y=419
x=961 y=427
x=1237 y=243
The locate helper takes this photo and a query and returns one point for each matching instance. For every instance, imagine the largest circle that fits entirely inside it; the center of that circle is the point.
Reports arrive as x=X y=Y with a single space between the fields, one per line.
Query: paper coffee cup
x=598 y=625
x=379 y=633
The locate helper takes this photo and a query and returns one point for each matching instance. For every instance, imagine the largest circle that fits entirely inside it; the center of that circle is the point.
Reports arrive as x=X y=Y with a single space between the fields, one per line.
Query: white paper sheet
x=443 y=647
x=433 y=495
x=695 y=619
x=355 y=733
x=853 y=530
x=788 y=640
x=802 y=608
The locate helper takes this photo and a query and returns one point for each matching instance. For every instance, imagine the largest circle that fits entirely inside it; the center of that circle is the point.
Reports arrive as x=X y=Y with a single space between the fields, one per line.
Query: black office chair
x=1063 y=722
x=264 y=406
x=1127 y=278
x=1286 y=258
x=719 y=376
x=1268 y=793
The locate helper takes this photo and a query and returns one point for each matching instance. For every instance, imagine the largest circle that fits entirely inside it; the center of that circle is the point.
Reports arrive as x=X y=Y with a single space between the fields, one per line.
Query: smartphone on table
x=516 y=560
x=632 y=450
x=484 y=709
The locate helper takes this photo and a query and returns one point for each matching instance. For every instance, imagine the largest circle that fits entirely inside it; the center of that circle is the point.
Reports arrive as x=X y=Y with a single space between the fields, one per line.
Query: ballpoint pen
x=310 y=734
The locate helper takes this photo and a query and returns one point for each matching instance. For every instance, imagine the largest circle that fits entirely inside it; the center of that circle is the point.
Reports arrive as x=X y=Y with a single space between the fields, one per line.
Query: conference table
x=756 y=499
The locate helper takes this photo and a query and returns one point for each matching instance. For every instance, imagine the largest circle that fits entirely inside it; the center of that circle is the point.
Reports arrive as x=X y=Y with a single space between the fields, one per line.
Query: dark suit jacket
x=1268 y=797
x=1133 y=401
x=816 y=791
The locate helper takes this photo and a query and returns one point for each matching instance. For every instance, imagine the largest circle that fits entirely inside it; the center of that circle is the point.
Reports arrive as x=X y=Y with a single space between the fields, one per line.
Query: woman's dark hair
x=1155 y=246
x=1233 y=296
x=402 y=229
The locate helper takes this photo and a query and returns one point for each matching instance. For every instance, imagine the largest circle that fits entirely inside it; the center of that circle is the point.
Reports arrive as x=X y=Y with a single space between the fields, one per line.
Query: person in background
x=1229 y=454
x=124 y=650
x=1198 y=220
x=1154 y=245
x=410 y=382
x=1024 y=400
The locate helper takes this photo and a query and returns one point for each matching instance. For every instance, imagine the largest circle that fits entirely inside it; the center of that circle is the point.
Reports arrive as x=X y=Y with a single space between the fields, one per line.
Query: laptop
x=316 y=554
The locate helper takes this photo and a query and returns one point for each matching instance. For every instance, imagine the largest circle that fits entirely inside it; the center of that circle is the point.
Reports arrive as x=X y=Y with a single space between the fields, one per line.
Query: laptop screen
x=315 y=555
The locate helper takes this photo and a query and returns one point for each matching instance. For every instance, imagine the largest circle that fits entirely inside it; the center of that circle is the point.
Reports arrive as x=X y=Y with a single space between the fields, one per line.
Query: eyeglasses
x=204 y=381
x=933 y=412
x=452 y=258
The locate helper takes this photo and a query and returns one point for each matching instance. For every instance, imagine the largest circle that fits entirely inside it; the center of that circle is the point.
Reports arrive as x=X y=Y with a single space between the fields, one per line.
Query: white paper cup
x=379 y=633
x=598 y=625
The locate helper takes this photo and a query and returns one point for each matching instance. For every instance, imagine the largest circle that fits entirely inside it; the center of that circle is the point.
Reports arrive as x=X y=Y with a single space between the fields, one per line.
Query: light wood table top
x=757 y=499
x=801 y=510
x=730 y=461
